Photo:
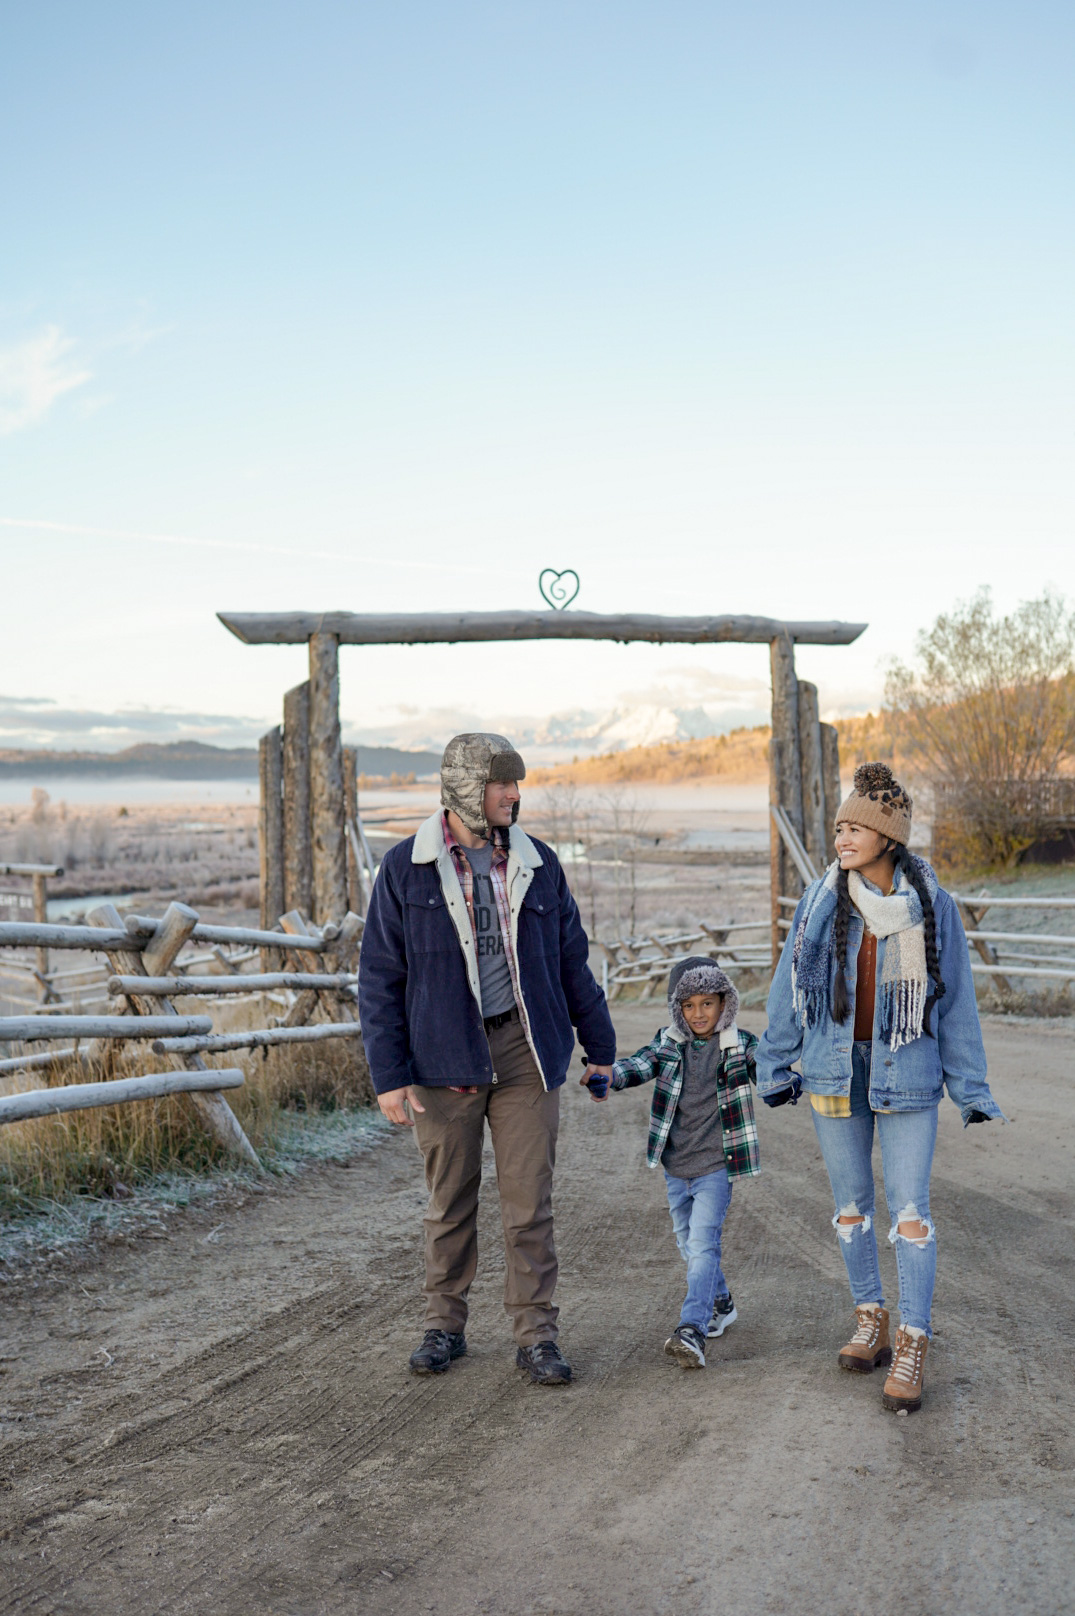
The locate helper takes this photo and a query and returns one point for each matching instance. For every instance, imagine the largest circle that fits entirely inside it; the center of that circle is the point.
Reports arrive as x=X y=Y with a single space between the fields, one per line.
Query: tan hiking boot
x=869 y=1346
x=903 y=1388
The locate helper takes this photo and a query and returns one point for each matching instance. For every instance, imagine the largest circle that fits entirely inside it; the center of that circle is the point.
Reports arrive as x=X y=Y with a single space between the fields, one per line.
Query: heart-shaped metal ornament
x=559 y=588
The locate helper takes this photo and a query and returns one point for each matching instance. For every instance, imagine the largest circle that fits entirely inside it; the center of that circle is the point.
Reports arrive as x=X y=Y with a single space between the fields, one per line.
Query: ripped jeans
x=907 y=1141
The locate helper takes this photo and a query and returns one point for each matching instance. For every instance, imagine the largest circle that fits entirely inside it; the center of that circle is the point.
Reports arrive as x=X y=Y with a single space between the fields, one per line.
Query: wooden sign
x=16 y=906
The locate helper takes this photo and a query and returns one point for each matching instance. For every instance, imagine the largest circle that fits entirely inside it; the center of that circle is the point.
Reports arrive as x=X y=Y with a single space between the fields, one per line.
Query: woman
x=874 y=993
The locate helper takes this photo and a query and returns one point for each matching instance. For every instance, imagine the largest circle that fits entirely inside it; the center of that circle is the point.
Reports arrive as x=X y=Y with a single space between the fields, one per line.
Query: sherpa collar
x=699 y=974
x=429 y=843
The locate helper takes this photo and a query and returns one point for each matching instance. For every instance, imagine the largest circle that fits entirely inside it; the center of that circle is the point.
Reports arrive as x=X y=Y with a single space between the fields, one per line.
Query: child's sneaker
x=723 y=1314
x=687 y=1346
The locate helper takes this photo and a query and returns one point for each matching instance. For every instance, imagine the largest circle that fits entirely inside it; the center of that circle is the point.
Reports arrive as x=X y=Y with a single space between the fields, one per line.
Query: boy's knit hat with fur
x=698 y=974
x=469 y=763
x=879 y=801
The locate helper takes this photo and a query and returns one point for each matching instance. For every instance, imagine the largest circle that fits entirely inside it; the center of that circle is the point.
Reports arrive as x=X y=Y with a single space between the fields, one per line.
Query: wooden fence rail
x=141 y=962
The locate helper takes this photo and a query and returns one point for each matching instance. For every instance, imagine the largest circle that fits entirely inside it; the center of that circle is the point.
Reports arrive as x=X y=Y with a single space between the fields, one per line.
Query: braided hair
x=903 y=860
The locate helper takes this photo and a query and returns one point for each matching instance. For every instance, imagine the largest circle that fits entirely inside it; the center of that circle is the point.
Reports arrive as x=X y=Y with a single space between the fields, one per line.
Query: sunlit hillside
x=741 y=755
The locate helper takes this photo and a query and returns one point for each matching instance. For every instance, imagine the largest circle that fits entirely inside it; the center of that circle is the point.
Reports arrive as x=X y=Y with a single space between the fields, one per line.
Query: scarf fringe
x=902 y=1007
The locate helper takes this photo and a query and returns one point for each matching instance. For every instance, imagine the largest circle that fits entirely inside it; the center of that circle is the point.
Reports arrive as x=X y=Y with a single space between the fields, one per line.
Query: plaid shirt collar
x=498 y=875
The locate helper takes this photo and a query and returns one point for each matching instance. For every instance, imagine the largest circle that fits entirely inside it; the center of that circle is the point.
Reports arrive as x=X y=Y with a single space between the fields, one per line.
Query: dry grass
x=107 y=1151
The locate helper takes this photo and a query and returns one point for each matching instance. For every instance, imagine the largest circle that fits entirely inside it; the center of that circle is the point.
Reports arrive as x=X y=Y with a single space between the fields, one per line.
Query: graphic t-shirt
x=494 y=973
x=695 y=1144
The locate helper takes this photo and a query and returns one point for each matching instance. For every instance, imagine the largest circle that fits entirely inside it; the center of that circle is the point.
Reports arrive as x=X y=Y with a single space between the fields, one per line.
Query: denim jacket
x=910 y=1078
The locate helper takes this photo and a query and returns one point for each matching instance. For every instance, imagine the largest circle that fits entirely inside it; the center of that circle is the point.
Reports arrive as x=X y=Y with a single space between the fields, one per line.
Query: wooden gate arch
x=302 y=772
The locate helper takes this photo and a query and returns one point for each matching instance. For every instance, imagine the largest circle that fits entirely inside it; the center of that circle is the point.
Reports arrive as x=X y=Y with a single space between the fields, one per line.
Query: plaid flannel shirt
x=498 y=877
x=664 y=1059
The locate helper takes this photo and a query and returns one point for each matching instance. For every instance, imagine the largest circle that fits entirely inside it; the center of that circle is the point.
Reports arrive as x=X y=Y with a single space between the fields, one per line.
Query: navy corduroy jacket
x=417 y=982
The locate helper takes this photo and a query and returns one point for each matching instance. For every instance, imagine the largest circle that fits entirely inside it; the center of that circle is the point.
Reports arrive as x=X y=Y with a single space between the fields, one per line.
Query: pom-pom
x=871 y=777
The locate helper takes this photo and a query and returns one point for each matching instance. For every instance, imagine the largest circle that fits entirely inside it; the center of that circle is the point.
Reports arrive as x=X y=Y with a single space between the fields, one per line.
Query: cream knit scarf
x=903 y=984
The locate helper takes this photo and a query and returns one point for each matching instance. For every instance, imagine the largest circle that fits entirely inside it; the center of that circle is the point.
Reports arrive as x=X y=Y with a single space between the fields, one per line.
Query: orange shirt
x=865 y=986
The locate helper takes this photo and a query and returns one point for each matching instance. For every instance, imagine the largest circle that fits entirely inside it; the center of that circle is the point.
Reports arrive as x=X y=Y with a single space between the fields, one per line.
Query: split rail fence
x=138 y=967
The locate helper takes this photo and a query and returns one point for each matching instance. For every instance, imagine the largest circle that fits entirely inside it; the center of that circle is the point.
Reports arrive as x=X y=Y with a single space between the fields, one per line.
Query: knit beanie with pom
x=878 y=801
x=698 y=974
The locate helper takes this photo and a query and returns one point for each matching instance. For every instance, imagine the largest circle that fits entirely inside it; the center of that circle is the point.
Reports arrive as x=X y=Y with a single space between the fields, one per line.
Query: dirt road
x=220 y=1421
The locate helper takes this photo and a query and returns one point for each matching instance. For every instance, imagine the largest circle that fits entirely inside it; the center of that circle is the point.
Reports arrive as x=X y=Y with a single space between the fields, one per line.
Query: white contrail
x=249 y=547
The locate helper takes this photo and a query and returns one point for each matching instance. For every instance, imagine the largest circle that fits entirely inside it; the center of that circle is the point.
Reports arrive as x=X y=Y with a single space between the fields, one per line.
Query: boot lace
x=910 y=1351
x=868 y=1330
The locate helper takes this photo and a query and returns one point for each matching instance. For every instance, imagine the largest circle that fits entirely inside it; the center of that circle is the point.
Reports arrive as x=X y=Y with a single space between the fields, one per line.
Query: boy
x=702 y=1131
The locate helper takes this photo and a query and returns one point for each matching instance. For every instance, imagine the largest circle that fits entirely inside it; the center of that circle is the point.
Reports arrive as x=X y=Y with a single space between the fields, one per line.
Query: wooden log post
x=41 y=915
x=326 y=780
x=270 y=836
x=830 y=774
x=173 y=931
x=356 y=890
x=785 y=780
x=298 y=848
x=813 y=775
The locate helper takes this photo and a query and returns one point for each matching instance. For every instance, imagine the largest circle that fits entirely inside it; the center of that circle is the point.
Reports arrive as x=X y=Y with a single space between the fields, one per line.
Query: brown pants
x=523 y=1121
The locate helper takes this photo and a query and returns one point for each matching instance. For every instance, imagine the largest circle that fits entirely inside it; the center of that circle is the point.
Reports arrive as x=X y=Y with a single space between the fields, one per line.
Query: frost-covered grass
x=42 y=1230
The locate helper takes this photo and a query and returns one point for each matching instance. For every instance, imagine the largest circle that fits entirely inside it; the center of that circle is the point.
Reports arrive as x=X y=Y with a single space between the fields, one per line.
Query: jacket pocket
x=429 y=925
x=539 y=921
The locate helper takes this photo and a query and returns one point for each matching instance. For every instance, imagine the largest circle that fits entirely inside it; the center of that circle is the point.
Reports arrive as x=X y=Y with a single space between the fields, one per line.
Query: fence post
x=785 y=779
x=356 y=900
x=813 y=785
x=326 y=779
x=298 y=851
x=41 y=913
x=270 y=837
x=172 y=932
x=833 y=796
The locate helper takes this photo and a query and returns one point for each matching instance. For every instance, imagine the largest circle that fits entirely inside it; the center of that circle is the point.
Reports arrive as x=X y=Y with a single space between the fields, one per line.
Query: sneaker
x=903 y=1388
x=687 y=1346
x=869 y=1345
x=723 y=1314
x=544 y=1363
x=436 y=1352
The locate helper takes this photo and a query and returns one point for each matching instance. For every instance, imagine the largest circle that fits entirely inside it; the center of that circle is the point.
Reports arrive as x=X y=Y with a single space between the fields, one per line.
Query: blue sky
x=377 y=306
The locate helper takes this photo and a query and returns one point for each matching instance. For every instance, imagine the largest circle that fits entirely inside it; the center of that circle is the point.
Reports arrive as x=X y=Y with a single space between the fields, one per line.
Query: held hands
x=790 y=1095
x=597 y=1080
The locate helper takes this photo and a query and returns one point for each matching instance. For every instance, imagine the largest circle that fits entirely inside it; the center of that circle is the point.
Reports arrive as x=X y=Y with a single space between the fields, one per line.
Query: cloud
x=33 y=375
x=29 y=721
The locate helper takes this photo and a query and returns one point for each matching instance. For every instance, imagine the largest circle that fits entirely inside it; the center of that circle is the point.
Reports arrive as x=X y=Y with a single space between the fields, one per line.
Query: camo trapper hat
x=469 y=763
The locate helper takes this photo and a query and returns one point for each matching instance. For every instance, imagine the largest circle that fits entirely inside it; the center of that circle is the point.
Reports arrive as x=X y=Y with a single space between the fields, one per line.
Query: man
x=474 y=967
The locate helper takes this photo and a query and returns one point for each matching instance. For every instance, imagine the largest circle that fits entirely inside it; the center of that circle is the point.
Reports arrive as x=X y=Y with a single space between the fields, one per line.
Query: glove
x=785 y=1096
x=977 y=1116
x=598 y=1084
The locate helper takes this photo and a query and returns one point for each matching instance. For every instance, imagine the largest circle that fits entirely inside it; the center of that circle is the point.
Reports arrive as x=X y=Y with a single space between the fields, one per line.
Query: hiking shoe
x=723 y=1314
x=903 y=1388
x=687 y=1346
x=544 y=1363
x=438 y=1349
x=869 y=1345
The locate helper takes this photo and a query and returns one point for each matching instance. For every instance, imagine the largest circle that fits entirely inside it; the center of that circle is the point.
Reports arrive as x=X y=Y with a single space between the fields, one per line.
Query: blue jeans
x=907 y=1141
x=698 y=1207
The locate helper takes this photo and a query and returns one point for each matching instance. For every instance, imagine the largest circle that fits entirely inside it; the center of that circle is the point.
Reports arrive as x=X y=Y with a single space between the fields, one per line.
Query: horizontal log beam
x=31 y=934
x=245 y=935
x=218 y=1043
x=84 y=1096
x=429 y=628
x=20 y=1063
x=173 y=987
x=36 y=1029
x=31 y=869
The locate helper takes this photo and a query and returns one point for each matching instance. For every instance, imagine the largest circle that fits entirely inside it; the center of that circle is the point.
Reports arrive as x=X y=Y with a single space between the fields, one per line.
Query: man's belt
x=491 y=1023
